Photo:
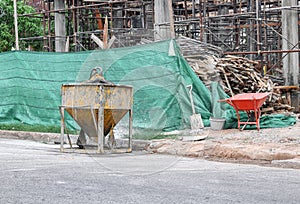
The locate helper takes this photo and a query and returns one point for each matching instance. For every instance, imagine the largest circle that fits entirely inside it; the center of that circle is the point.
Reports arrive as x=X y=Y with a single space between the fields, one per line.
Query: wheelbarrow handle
x=228 y=100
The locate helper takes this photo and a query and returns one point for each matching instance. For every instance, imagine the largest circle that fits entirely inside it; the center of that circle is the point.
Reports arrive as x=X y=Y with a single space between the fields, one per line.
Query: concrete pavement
x=33 y=172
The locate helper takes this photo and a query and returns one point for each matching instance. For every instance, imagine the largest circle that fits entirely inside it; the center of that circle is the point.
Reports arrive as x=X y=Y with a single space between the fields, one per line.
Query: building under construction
x=263 y=30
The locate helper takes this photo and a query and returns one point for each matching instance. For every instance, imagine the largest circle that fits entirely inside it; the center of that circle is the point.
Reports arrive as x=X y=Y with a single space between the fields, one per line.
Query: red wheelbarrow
x=250 y=103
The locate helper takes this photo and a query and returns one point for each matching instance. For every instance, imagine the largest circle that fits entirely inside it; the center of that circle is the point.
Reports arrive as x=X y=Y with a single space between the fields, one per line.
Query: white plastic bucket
x=217 y=123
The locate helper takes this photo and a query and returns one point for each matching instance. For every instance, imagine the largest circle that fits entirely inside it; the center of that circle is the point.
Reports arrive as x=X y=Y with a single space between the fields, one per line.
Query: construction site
x=149 y=101
x=158 y=69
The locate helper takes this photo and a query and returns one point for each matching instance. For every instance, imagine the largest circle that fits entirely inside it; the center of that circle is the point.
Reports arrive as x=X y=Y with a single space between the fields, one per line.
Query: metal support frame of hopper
x=96 y=108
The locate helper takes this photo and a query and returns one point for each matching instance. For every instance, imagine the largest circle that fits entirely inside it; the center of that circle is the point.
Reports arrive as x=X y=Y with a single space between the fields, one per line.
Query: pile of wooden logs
x=282 y=98
x=240 y=75
x=205 y=69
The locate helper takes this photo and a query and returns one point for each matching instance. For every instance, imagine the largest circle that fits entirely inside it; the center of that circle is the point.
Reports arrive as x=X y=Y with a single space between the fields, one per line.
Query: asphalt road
x=33 y=172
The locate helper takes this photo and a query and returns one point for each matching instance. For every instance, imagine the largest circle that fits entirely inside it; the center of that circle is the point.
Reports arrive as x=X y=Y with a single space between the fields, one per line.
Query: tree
x=27 y=26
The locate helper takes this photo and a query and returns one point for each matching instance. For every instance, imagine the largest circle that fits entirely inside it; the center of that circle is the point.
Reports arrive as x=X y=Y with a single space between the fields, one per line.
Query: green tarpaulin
x=30 y=84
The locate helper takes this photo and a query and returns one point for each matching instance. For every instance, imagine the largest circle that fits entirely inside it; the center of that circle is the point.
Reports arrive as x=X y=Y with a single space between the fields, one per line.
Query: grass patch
x=158 y=137
x=33 y=128
x=152 y=135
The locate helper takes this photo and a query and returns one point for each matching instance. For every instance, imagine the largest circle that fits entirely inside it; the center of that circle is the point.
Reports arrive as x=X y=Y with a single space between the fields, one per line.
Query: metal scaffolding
x=128 y=21
x=249 y=28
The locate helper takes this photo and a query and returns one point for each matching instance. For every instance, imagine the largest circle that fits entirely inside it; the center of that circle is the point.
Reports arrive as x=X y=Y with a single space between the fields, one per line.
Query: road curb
x=279 y=154
x=55 y=138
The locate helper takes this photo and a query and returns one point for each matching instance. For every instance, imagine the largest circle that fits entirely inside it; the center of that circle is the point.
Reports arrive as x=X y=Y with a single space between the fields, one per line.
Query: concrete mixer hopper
x=97 y=108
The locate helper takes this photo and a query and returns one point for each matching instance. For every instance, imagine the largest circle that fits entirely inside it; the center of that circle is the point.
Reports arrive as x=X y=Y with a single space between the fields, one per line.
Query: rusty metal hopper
x=97 y=108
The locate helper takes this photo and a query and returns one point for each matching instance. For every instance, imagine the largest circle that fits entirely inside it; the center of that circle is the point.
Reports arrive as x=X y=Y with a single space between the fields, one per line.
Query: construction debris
x=205 y=69
x=240 y=76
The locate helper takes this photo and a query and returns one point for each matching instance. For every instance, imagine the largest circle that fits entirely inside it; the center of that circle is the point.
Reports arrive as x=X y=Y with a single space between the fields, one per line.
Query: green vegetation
x=33 y=128
x=27 y=26
x=152 y=135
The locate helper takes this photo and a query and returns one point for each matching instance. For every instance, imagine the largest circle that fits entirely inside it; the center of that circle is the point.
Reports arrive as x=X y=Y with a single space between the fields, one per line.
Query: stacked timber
x=283 y=95
x=205 y=69
x=241 y=75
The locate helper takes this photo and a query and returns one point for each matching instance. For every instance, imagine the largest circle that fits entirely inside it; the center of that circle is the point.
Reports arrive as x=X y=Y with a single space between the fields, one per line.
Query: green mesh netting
x=30 y=85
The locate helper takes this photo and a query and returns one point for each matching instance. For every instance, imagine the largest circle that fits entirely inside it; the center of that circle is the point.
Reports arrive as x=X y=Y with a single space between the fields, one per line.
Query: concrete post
x=162 y=31
x=60 y=27
x=291 y=61
x=16 y=25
